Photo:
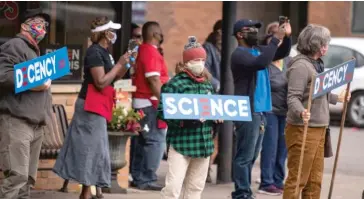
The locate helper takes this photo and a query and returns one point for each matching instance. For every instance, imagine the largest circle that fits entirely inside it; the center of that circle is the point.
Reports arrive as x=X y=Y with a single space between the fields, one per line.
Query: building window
x=70 y=26
x=357 y=24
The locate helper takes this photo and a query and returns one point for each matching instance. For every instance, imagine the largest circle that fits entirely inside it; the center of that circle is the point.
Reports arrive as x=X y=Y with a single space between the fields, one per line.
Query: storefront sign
x=36 y=72
x=9 y=9
x=333 y=78
x=208 y=107
x=75 y=56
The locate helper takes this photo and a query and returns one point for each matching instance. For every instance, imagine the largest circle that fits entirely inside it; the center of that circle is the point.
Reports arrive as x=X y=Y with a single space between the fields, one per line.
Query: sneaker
x=257 y=181
x=270 y=190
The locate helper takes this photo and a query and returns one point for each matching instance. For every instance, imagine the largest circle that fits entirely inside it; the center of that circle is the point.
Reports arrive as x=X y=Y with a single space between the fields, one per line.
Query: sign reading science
x=36 y=72
x=208 y=107
x=333 y=78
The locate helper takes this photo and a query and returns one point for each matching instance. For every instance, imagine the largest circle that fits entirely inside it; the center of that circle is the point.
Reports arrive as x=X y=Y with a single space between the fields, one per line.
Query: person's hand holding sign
x=341 y=97
x=219 y=121
x=305 y=115
x=43 y=87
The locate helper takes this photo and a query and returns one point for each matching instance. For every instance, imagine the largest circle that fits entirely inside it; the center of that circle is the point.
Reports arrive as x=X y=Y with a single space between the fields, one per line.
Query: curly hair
x=99 y=21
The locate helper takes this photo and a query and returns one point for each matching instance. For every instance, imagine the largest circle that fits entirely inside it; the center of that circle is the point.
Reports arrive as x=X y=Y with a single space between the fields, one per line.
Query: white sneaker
x=257 y=181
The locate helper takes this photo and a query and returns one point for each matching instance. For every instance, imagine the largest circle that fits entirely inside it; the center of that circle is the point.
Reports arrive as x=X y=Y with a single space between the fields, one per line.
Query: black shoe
x=151 y=187
x=132 y=184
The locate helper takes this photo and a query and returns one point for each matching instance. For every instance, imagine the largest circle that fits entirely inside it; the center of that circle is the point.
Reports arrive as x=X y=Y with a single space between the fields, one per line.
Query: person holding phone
x=85 y=156
x=249 y=65
x=274 y=152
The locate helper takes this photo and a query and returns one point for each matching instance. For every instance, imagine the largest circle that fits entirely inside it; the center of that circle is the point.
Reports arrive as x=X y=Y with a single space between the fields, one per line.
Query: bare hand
x=305 y=115
x=341 y=97
x=43 y=87
x=124 y=59
x=288 y=29
x=281 y=33
x=219 y=121
x=202 y=120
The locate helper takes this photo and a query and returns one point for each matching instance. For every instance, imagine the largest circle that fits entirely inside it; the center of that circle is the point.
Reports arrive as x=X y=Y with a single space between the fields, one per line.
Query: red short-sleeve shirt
x=149 y=63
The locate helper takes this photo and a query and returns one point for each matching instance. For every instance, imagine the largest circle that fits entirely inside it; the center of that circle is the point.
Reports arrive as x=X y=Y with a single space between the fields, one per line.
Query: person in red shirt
x=150 y=74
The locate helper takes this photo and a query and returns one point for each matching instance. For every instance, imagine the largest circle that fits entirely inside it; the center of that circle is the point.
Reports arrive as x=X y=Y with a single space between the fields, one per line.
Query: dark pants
x=274 y=152
x=148 y=149
x=20 y=145
x=249 y=136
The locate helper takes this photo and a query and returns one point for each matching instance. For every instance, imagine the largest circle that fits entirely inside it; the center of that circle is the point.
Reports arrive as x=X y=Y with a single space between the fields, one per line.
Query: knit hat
x=193 y=50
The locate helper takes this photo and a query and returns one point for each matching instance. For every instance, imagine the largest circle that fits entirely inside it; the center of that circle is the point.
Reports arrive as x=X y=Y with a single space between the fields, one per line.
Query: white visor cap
x=110 y=25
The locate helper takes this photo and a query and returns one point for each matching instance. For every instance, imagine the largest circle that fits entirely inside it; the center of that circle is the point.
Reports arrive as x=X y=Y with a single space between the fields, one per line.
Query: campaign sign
x=208 y=107
x=36 y=72
x=333 y=78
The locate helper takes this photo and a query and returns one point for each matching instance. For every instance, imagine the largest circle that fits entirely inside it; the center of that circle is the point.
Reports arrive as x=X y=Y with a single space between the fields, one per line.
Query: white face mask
x=115 y=36
x=195 y=67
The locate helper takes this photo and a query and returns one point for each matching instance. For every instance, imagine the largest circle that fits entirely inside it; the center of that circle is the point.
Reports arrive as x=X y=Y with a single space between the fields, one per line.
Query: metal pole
x=227 y=88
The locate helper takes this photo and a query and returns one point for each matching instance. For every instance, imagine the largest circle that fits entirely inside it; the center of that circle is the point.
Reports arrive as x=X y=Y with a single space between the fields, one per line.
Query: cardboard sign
x=208 y=107
x=333 y=78
x=75 y=56
x=36 y=72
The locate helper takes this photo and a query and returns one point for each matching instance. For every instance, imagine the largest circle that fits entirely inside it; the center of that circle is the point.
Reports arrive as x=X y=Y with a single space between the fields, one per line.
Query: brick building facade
x=178 y=20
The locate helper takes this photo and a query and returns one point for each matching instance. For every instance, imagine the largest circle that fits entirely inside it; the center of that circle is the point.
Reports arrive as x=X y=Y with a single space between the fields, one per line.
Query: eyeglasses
x=249 y=29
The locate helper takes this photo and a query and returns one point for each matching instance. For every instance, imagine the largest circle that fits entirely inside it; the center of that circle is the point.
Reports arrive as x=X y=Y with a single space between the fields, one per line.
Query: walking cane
x=343 y=118
x=305 y=127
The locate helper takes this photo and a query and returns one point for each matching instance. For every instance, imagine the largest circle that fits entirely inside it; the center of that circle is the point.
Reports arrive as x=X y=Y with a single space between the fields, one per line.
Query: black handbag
x=328 y=147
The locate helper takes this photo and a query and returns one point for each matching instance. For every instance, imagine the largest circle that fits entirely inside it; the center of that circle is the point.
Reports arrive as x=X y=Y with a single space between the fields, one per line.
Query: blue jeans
x=274 y=152
x=249 y=136
x=148 y=150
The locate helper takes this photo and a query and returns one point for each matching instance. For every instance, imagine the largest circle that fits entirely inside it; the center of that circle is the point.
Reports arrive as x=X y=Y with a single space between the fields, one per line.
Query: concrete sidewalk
x=346 y=187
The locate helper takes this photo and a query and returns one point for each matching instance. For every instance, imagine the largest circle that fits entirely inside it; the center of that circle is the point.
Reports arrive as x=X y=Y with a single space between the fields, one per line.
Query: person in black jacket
x=274 y=152
x=249 y=65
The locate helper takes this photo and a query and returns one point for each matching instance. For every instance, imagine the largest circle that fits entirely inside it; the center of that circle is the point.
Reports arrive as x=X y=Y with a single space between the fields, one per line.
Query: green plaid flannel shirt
x=194 y=141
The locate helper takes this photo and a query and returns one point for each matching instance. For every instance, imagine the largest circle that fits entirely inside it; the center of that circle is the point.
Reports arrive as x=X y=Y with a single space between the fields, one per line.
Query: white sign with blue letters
x=208 y=107
x=36 y=72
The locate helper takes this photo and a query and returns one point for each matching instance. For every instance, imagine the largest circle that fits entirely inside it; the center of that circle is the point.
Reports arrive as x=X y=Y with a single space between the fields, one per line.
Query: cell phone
x=132 y=48
x=282 y=20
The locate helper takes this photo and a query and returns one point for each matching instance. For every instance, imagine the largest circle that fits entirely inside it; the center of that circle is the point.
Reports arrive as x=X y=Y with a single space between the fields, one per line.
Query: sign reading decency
x=333 y=78
x=208 y=107
x=33 y=73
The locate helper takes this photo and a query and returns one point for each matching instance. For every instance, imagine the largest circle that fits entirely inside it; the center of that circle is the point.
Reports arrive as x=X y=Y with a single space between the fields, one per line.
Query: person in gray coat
x=212 y=47
x=22 y=115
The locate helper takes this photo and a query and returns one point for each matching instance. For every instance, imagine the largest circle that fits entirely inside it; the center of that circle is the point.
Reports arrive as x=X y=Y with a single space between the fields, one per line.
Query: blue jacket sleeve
x=242 y=59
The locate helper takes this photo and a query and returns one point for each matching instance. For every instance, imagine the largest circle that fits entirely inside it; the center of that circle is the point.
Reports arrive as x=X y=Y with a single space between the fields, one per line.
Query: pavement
x=349 y=180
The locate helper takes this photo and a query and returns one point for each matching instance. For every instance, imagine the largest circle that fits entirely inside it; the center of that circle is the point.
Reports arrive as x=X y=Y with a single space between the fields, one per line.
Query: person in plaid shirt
x=190 y=141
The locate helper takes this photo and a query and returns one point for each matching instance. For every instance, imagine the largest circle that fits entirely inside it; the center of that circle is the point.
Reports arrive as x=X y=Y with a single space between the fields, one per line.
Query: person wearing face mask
x=150 y=74
x=190 y=141
x=312 y=43
x=249 y=65
x=84 y=156
x=23 y=115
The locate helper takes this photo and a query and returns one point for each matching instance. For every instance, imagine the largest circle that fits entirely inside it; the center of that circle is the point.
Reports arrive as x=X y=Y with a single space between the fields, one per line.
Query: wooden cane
x=343 y=118
x=305 y=128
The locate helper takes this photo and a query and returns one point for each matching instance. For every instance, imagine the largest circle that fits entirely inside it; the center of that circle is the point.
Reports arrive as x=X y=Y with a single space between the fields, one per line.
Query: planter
x=117 y=144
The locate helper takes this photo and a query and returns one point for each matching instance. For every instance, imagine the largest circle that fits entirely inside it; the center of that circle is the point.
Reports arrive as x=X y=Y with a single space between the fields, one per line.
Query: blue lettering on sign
x=333 y=78
x=36 y=72
x=208 y=107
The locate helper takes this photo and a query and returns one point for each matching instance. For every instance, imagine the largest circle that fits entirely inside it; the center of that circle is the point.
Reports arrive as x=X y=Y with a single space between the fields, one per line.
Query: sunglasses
x=136 y=36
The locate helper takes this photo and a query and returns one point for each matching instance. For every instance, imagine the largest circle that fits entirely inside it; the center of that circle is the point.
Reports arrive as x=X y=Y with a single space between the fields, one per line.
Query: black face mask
x=251 y=38
x=162 y=39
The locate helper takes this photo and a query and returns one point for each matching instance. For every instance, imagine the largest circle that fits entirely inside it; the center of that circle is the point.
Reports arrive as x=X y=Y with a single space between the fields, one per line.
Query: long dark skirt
x=85 y=156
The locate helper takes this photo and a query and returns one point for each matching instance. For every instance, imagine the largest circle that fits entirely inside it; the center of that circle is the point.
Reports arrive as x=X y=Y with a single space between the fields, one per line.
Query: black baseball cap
x=37 y=12
x=246 y=23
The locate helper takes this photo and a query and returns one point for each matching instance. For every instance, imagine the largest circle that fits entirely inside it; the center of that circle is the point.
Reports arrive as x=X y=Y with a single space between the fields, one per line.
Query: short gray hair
x=312 y=38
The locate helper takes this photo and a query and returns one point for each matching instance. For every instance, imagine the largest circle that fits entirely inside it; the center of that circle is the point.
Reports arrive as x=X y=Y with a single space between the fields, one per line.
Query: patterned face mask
x=37 y=30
